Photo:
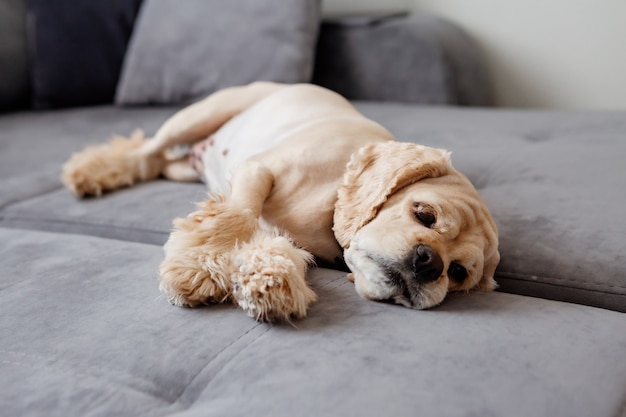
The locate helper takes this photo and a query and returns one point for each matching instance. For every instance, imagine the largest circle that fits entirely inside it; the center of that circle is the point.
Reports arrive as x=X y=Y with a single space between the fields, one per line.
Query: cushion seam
x=7 y=221
x=528 y=278
x=96 y=371
x=37 y=194
x=238 y=353
x=177 y=400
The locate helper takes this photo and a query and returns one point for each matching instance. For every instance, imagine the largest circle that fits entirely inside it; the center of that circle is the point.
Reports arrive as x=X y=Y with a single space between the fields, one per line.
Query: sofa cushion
x=182 y=51
x=77 y=48
x=85 y=332
x=415 y=59
x=123 y=215
x=14 y=76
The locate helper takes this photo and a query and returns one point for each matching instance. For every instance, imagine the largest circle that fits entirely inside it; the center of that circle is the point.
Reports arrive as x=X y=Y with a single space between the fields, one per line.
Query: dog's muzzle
x=411 y=281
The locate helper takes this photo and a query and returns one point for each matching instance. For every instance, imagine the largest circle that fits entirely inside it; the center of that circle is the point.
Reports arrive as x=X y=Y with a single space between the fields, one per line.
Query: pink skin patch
x=197 y=150
x=195 y=155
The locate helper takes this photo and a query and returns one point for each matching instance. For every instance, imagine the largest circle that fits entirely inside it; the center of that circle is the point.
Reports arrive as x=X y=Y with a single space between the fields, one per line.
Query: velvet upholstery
x=85 y=332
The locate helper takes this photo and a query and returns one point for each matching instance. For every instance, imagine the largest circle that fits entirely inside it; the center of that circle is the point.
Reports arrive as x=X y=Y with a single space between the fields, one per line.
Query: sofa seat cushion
x=86 y=332
x=141 y=214
x=34 y=145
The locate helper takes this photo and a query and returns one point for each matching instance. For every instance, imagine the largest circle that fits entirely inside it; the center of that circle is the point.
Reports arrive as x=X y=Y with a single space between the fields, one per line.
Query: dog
x=295 y=172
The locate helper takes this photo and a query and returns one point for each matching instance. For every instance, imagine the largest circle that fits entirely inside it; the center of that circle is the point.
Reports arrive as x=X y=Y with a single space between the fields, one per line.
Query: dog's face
x=426 y=232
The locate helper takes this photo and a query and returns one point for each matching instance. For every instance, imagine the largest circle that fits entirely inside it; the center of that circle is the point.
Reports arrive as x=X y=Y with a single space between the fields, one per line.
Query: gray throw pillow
x=181 y=51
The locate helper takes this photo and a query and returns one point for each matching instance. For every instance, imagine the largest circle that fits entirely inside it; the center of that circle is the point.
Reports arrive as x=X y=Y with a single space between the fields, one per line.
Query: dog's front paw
x=197 y=268
x=185 y=283
x=269 y=282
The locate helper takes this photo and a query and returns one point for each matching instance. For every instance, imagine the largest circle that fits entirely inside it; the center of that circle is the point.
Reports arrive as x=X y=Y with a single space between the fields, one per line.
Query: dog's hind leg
x=201 y=119
x=125 y=161
x=107 y=167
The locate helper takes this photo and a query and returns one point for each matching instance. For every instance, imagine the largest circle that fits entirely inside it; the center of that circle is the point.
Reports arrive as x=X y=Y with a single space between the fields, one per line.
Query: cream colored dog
x=302 y=172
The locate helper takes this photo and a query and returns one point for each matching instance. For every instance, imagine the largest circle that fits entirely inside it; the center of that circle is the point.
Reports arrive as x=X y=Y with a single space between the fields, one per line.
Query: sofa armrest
x=415 y=58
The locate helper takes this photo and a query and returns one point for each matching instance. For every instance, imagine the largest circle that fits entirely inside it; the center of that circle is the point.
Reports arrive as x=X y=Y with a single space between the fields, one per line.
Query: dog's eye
x=457 y=272
x=425 y=214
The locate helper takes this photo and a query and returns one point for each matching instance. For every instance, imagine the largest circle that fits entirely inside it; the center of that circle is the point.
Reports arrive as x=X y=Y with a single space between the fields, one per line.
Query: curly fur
x=119 y=163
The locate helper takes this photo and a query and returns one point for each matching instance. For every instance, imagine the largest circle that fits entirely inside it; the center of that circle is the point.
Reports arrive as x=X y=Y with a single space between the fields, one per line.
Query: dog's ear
x=374 y=173
x=487 y=283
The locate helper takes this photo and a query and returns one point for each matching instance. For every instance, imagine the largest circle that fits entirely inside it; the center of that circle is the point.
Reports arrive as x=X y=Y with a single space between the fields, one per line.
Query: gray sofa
x=85 y=332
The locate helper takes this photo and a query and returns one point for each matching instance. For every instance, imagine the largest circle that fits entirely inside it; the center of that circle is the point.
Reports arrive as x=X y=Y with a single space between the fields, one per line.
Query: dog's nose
x=427 y=264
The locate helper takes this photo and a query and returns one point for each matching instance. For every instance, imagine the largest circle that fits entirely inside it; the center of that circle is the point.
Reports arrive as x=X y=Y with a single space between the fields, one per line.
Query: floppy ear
x=374 y=173
x=487 y=283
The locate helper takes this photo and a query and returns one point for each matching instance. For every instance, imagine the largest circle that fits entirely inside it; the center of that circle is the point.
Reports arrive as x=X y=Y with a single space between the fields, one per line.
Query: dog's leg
x=124 y=162
x=180 y=170
x=198 y=266
x=110 y=166
x=220 y=252
x=269 y=270
x=199 y=120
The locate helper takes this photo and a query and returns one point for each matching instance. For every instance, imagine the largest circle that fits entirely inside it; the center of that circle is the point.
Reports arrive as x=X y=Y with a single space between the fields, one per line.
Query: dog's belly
x=244 y=136
x=226 y=149
x=283 y=115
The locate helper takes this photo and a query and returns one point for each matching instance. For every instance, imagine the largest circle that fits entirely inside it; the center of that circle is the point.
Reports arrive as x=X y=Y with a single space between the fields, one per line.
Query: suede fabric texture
x=14 y=70
x=125 y=215
x=77 y=48
x=182 y=53
x=412 y=59
x=33 y=146
x=85 y=332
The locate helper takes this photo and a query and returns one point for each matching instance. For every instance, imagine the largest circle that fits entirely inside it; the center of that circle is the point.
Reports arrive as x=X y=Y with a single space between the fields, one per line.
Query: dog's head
x=412 y=226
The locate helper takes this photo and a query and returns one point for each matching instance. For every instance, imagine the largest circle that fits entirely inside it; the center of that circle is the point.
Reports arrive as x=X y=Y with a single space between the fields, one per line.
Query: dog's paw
x=269 y=282
x=108 y=167
x=186 y=283
x=197 y=268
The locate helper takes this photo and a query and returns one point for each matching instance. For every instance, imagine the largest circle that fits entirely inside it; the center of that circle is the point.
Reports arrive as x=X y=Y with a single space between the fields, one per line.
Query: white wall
x=547 y=53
